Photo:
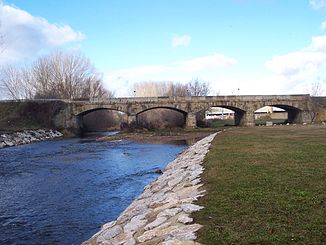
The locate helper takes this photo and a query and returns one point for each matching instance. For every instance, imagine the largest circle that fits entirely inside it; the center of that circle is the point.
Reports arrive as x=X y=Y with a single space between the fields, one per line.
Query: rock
x=134 y=224
x=157 y=186
x=185 y=233
x=108 y=225
x=178 y=242
x=9 y=143
x=171 y=204
x=148 y=235
x=131 y=241
x=196 y=181
x=188 y=192
x=158 y=171
x=109 y=233
x=184 y=219
x=175 y=181
x=133 y=211
x=159 y=220
x=122 y=238
x=190 y=208
x=26 y=137
x=169 y=212
x=159 y=231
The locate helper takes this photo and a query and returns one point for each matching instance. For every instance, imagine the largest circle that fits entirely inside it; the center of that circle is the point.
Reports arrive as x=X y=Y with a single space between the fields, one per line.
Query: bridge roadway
x=69 y=115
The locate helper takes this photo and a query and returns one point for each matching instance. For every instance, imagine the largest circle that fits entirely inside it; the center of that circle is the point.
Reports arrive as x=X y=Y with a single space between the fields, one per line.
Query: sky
x=238 y=46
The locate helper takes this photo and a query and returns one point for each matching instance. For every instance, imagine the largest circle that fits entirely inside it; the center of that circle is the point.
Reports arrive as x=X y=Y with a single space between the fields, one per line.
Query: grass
x=265 y=185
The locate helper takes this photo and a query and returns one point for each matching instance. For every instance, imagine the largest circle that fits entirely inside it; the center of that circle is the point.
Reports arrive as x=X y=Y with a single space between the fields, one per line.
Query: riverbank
x=27 y=137
x=161 y=214
x=265 y=185
x=161 y=136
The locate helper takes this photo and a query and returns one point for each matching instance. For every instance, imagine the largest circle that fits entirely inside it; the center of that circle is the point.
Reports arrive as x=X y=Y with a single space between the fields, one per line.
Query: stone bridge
x=297 y=106
x=69 y=114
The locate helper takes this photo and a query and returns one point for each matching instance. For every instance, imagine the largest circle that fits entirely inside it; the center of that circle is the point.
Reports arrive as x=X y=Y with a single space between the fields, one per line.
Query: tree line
x=70 y=75
x=195 y=87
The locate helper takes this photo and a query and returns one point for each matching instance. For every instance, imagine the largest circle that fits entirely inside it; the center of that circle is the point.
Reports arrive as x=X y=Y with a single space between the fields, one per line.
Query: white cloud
x=26 y=35
x=297 y=62
x=299 y=69
x=317 y=4
x=181 y=41
x=308 y=59
x=181 y=71
x=318 y=44
x=323 y=26
x=206 y=62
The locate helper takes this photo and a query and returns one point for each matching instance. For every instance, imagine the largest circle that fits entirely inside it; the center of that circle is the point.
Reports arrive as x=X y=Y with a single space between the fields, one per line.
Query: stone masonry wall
x=161 y=214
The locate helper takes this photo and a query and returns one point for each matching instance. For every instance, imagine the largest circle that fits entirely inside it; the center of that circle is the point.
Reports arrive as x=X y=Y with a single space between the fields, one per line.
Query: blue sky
x=239 y=46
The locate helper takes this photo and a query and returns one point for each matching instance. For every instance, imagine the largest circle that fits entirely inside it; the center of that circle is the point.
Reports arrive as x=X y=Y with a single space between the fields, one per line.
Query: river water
x=61 y=191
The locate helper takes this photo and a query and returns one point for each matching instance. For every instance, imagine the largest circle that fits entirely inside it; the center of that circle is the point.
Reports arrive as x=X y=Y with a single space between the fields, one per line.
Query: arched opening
x=220 y=116
x=101 y=119
x=277 y=114
x=161 y=117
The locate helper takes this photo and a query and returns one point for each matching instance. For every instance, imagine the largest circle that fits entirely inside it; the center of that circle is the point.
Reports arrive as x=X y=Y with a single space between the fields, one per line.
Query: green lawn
x=265 y=185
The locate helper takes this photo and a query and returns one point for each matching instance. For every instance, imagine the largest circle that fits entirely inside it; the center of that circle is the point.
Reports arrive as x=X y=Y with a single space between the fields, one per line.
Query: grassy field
x=265 y=185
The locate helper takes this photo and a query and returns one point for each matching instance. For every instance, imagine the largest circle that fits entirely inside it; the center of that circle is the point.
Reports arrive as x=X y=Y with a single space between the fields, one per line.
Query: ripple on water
x=62 y=191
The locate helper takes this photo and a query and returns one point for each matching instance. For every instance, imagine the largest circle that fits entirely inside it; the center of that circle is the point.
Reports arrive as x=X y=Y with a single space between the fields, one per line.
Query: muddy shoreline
x=189 y=137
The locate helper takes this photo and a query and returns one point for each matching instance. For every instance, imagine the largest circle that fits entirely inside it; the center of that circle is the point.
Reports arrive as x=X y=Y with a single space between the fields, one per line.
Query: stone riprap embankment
x=161 y=214
x=27 y=136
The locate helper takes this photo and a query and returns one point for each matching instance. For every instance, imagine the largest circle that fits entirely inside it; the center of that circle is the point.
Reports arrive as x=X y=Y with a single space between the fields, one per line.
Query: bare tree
x=178 y=89
x=314 y=106
x=161 y=88
x=198 y=88
x=316 y=89
x=67 y=76
x=17 y=82
x=56 y=76
x=150 y=89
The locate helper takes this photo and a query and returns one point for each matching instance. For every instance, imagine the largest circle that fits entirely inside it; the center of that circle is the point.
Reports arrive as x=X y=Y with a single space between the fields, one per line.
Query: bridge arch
x=294 y=114
x=84 y=118
x=239 y=114
x=162 y=107
x=161 y=116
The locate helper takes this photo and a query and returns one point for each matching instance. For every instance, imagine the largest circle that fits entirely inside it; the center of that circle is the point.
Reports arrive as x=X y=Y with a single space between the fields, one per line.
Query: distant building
x=223 y=113
x=271 y=112
x=219 y=113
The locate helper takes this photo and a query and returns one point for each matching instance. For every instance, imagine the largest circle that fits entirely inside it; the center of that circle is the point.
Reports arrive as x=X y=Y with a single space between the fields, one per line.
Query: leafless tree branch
x=55 y=76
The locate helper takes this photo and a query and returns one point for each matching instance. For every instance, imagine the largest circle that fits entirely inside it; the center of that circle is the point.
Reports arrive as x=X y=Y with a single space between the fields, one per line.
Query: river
x=61 y=191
